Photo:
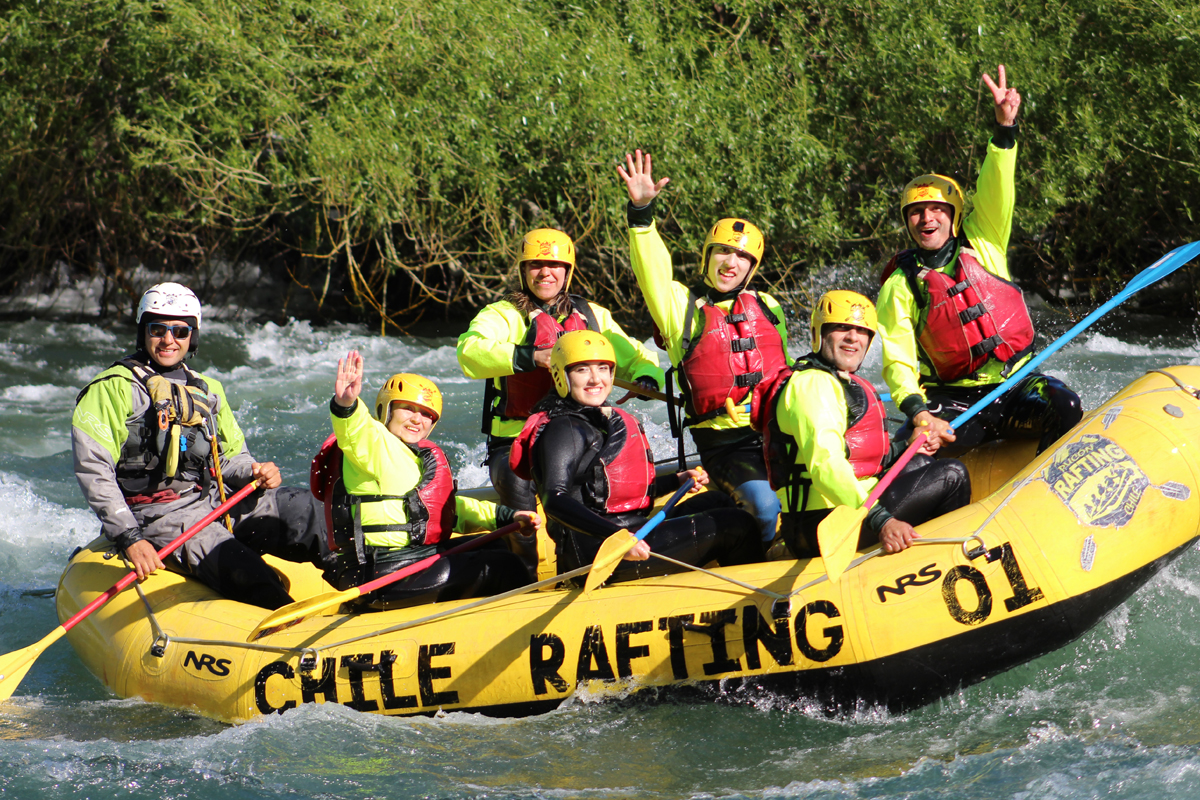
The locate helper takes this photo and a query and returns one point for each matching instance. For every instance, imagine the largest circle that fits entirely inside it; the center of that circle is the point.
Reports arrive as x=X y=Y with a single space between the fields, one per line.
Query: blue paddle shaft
x=652 y=523
x=1159 y=269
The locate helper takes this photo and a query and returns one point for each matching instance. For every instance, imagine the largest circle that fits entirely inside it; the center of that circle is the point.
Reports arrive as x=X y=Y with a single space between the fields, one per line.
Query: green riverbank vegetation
x=387 y=155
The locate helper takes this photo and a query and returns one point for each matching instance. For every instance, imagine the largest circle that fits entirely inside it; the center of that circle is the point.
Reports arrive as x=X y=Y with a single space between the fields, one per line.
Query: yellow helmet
x=933 y=189
x=574 y=347
x=738 y=234
x=547 y=244
x=841 y=307
x=408 y=388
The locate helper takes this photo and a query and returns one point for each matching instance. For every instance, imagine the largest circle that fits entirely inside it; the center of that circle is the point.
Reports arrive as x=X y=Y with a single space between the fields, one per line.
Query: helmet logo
x=857 y=312
x=548 y=250
x=923 y=191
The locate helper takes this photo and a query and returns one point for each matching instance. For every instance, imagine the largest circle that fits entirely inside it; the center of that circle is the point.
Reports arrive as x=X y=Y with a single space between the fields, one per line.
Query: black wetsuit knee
x=490 y=570
x=246 y=578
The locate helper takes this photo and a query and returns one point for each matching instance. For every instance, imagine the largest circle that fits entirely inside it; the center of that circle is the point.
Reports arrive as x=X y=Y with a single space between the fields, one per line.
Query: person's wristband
x=128 y=537
x=877 y=517
x=912 y=405
x=523 y=358
x=339 y=411
x=641 y=217
x=1005 y=136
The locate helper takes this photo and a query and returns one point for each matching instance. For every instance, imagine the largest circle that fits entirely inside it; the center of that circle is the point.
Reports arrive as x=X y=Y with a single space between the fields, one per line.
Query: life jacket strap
x=986 y=346
x=404 y=526
x=743 y=345
x=972 y=313
x=748 y=379
x=958 y=288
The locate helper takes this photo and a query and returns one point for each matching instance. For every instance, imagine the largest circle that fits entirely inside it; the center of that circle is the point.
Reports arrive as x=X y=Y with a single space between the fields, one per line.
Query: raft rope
x=412 y=623
x=158 y=647
x=1192 y=390
x=310 y=656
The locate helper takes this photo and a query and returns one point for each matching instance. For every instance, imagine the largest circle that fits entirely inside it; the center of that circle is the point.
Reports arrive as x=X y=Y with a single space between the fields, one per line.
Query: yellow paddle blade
x=610 y=554
x=837 y=537
x=14 y=665
x=299 y=611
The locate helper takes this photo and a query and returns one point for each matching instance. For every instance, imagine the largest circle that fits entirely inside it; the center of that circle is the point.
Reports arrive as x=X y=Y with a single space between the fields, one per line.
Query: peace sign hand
x=1008 y=101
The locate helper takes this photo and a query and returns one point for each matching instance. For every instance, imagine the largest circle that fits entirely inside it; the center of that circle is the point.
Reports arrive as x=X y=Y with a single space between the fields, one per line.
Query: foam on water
x=297 y=346
x=1099 y=343
x=42 y=395
x=36 y=534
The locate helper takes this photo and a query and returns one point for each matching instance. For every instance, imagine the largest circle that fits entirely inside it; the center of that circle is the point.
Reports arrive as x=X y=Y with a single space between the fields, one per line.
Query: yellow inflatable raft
x=1014 y=575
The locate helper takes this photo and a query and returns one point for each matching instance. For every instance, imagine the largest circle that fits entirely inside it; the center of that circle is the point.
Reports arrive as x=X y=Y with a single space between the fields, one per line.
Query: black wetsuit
x=705 y=528
x=1039 y=407
x=925 y=489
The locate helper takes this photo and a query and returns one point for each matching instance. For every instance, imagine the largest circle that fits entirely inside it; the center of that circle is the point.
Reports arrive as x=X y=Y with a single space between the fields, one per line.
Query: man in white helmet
x=143 y=437
x=953 y=323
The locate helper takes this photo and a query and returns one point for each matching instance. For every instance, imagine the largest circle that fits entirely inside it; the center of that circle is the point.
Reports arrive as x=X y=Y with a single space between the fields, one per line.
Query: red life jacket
x=619 y=479
x=733 y=354
x=866 y=435
x=429 y=506
x=968 y=318
x=520 y=392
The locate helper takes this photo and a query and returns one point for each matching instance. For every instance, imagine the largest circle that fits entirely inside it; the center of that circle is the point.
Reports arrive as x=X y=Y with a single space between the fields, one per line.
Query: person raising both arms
x=145 y=436
x=396 y=503
x=952 y=322
x=594 y=474
x=827 y=443
x=508 y=344
x=721 y=337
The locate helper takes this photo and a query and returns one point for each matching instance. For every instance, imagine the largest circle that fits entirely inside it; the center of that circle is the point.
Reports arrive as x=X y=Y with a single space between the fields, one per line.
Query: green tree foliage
x=405 y=146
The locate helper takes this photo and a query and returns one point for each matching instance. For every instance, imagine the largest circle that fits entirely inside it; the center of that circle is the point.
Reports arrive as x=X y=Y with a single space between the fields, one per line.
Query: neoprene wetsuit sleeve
x=560 y=449
x=639 y=217
x=1005 y=136
x=666 y=484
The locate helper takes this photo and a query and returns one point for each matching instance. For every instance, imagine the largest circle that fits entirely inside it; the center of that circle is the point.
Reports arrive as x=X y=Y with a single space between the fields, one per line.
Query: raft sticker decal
x=1087 y=556
x=1101 y=483
x=1110 y=416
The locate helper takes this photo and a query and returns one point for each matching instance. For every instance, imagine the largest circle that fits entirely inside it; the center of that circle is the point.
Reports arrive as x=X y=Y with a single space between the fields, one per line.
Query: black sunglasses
x=158 y=330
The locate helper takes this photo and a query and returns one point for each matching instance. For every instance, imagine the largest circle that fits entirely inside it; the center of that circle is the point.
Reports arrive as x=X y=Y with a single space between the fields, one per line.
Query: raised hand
x=1008 y=101
x=348 y=385
x=638 y=174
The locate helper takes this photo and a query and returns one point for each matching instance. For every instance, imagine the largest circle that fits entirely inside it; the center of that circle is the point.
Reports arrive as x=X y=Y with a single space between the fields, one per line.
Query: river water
x=1108 y=715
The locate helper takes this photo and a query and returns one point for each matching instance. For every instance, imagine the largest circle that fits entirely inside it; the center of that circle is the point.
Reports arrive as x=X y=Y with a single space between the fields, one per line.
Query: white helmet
x=170 y=301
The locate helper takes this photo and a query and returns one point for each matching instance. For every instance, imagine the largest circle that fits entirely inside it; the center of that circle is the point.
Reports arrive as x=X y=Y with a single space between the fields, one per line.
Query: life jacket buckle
x=748 y=379
x=972 y=313
x=958 y=288
x=743 y=345
x=986 y=346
